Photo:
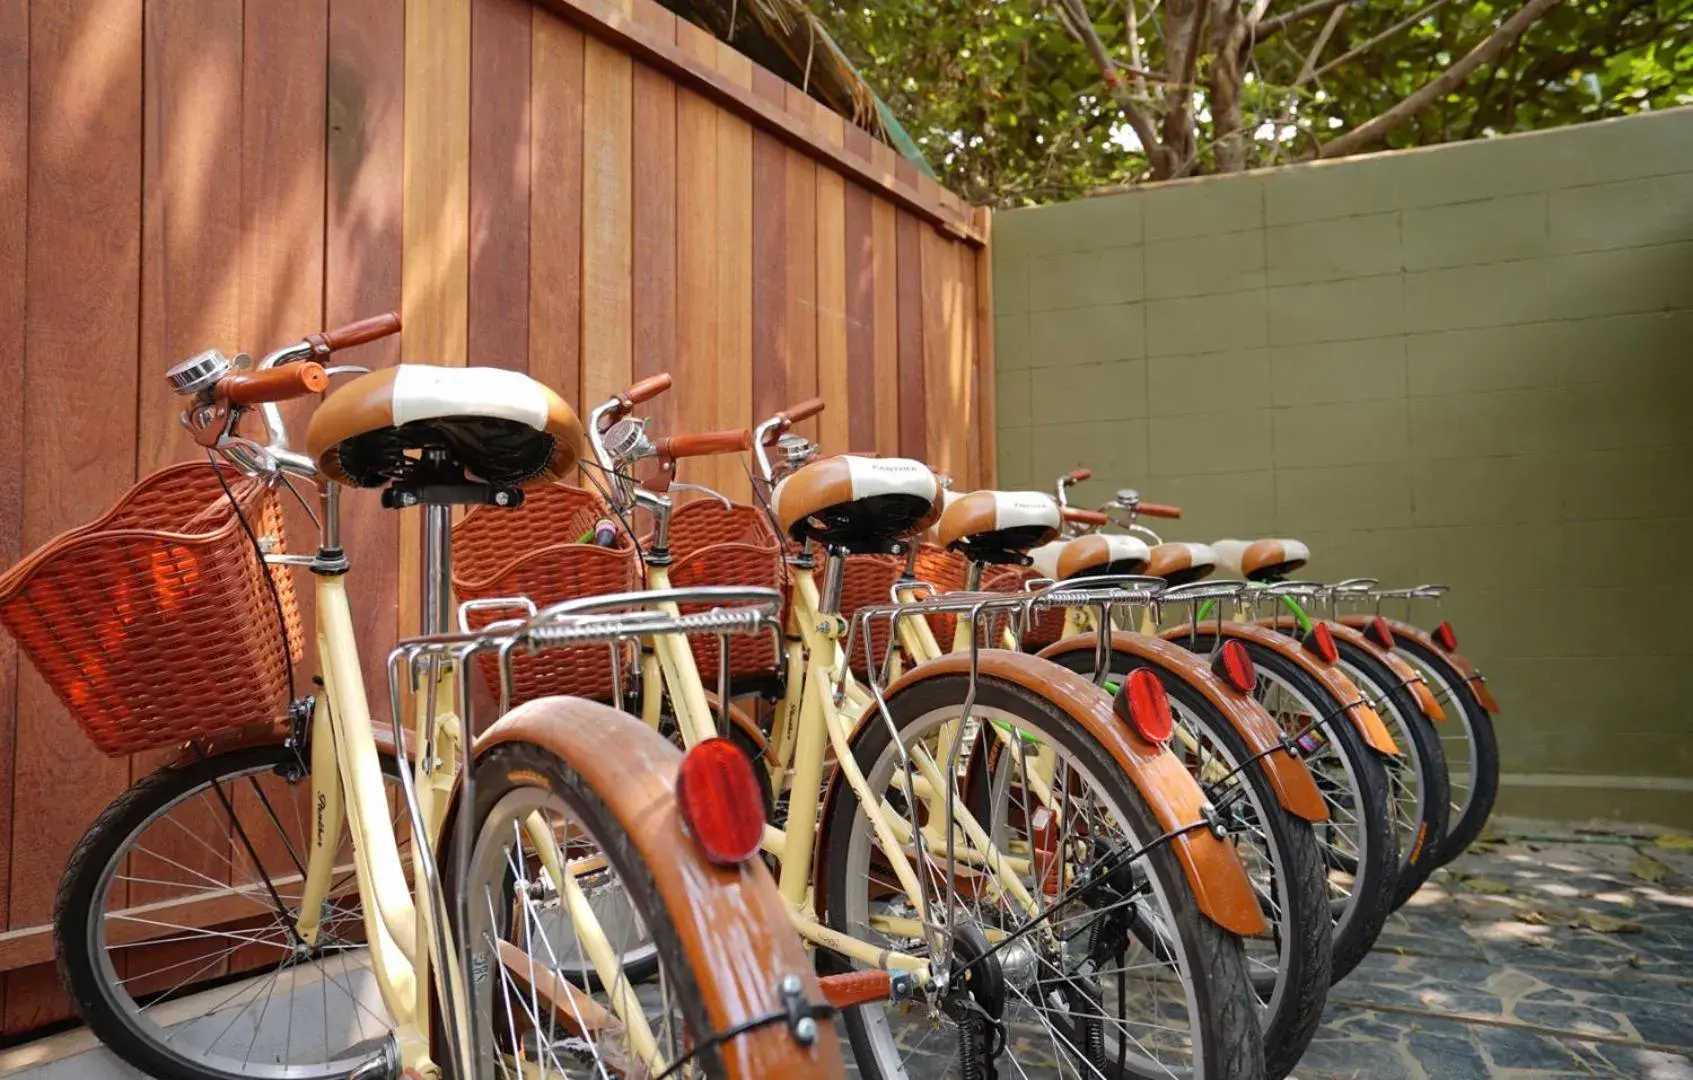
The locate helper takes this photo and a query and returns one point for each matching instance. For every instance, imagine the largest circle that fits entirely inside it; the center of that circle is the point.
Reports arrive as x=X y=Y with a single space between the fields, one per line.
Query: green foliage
x=1009 y=108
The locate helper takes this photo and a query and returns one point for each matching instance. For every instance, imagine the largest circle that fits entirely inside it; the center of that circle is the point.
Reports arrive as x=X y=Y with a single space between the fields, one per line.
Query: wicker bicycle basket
x=1046 y=625
x=869 y=581
x=532 y=551
x=712 y=545
x=137 y=619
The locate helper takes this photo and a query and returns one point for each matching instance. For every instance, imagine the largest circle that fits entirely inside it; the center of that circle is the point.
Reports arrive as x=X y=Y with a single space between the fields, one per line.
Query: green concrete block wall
x=1470 y=364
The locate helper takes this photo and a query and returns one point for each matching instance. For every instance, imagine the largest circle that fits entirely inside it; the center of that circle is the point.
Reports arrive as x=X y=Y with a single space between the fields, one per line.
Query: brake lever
x=345 y=369
x=677 y=485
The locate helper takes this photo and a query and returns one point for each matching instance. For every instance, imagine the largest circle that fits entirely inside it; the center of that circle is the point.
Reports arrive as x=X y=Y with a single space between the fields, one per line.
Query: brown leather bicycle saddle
x=1261 y=560
x=499 y=426
x=1181 y=563
x=1092 y=556
x=858 y=503
x=998 y=526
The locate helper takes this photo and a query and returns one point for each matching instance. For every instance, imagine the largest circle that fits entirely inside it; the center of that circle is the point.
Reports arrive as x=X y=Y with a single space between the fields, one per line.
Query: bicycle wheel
x=1290 y=963
x=535 y=1011
x=1469 y=743
x=175 y=928
x=1359 y=849
x=1421 y=792
x=1125 y=979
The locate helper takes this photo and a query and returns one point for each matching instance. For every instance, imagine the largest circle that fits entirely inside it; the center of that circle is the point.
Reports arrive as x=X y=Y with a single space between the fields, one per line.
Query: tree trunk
x=1183 y=23
x=1228 y=31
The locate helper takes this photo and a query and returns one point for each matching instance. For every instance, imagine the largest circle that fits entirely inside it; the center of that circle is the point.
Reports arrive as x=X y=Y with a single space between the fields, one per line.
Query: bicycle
x=929 y=918
x=1460 y=690
x=370 y=923
x=1342 y=739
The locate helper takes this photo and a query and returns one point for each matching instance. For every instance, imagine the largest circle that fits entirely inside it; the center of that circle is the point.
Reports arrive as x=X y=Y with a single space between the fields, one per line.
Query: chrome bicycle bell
x=200 y=372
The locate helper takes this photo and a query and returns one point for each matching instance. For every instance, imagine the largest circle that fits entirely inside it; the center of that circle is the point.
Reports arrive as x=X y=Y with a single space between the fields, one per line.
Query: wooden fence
x=586 y=190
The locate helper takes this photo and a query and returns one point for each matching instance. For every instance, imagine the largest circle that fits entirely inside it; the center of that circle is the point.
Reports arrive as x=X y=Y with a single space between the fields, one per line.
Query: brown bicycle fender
x=731 y=921
x=1213 y=870
x=1471 y=674
x=1288 y=776
x=1363 y=717
x=1402 y=670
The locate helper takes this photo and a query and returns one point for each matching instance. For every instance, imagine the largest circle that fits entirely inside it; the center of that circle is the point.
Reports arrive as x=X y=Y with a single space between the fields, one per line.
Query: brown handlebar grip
x=1078 y=516
x=1158 y=510
x=705 y=444
x=362 y=332
x=1076 y=476
x=857 y=987
x=805 y=410
x=277 y=384
x=645 y=390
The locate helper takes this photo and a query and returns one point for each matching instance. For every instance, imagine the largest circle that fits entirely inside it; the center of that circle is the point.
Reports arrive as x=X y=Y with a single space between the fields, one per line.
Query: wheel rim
x=1155 y=1043
x=1456 y=741
x=1266 y=958
x=1408 y=794
x=511 y=899
x=1343 y=840
x=302 y=1013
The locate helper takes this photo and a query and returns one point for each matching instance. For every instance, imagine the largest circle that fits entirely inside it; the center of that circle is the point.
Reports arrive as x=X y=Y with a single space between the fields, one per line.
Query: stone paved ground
x=1548 y=950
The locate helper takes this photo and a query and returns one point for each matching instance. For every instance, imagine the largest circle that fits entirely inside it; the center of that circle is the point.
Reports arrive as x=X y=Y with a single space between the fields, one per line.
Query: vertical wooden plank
x=860 y=315
x=654 y=218
x=498 y=310
x=607 y=162
x=801 y=174
x=555 y=200
x=732 y=388
x=363 y=256
x=884 y=236
x=81 y=292
x=987 y=385
x=913 y=424
x=697 y=265
x=435 y=224
x=971 y=374
x=14 y=218
x=190 y=301
x=771 y=351
x=942 y=356
x=832 y=374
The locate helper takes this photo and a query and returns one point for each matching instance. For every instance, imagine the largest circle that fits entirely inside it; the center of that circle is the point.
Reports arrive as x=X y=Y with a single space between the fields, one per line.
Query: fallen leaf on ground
x=1675 y=842
x=1632 y=959
x=1605 y=924
x=1491 y=886
x=1647 y=868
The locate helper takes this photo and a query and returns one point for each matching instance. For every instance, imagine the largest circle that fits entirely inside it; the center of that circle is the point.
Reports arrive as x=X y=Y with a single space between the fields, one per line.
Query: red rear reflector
x=1380 y=633
x=1233 y=665
x=1144 y=705
x=717 y=794
x=1320 y=641
x=1446 y=637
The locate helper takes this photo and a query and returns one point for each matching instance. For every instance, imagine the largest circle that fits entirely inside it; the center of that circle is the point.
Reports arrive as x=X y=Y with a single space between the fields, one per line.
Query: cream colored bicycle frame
x=347 y=788
x=808 y=724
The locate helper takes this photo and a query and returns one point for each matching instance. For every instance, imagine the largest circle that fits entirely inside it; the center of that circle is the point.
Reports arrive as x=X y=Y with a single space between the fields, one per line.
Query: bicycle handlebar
x=1158 y=510
x=245 y=388
x=1076 y=476
x=362 y=332
x=645 y=390
x=805 y=410
x=705 y=444
x=1078 y=516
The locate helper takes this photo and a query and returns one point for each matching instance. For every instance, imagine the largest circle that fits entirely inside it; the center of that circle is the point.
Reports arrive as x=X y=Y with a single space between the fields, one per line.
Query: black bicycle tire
x=75 y=902
x=1355 y=934
x=1227 y=1006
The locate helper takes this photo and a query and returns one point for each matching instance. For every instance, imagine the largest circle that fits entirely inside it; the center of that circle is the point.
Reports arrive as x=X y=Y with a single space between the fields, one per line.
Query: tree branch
x=1306 y=69
x=1373 y=130
x=1075 y=18
x=1269 y=28
x=1359 y=50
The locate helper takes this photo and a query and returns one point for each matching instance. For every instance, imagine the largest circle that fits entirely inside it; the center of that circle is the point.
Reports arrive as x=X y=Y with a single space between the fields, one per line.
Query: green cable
x=1299 y=615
